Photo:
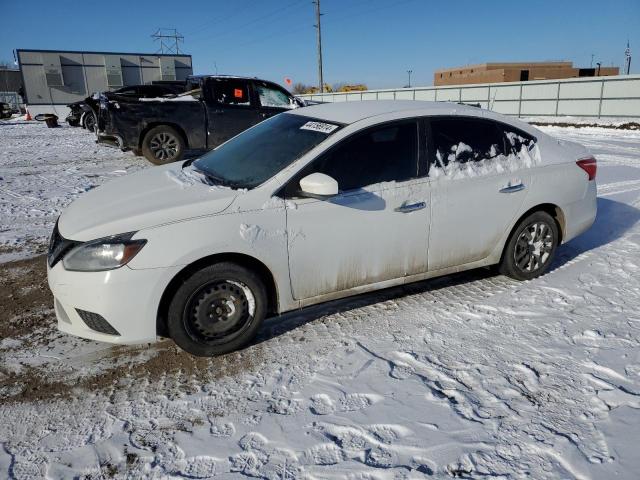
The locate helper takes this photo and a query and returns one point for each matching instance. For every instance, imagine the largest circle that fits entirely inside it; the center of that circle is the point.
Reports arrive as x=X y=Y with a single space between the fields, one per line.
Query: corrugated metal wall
x=616 y=96
x=85 y=73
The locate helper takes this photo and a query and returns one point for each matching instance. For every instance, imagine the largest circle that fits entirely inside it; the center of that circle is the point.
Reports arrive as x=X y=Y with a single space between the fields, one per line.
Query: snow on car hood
x=141 y=200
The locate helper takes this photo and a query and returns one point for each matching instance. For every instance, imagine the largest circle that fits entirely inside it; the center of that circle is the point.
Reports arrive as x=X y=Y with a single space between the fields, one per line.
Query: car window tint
x=382 y=154
x=231 y=92
x=273 y=97
x=465 y=140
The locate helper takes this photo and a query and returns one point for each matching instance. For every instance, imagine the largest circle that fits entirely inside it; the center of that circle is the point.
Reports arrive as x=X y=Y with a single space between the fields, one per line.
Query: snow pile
x=187 y=177
x=179 y=98
x=253 y=233
x=277 y=202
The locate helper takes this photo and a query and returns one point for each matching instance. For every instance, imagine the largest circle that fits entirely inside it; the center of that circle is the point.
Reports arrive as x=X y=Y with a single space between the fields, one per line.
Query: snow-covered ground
x=41 y=171
x=467 y=376
x=567 y=119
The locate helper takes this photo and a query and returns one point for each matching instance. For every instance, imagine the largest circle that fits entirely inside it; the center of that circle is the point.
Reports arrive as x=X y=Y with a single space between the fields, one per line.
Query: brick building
x=516 y=72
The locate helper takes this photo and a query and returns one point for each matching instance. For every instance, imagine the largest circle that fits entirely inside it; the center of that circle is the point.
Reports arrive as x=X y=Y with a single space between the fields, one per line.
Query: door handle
x=412 y=207
x=512 y=188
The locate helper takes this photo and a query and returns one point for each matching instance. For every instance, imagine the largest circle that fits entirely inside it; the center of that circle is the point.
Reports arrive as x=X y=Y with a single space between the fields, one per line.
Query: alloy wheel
x=164 y=146
x=533 y=247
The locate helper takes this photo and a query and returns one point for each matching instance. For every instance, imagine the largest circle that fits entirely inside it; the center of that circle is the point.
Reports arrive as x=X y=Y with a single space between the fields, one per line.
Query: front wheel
x=531 y=248
x=217 y=310
x=162 y=145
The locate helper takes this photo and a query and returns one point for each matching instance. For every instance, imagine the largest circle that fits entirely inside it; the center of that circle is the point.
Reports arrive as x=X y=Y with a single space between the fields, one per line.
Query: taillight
x=589 y=165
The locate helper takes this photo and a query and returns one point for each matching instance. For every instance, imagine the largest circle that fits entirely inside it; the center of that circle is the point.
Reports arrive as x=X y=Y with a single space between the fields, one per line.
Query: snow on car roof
x=350 y=112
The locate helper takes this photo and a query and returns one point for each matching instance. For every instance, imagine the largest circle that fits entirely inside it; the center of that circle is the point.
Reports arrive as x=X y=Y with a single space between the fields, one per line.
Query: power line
x=253 y=21
x=220 y=19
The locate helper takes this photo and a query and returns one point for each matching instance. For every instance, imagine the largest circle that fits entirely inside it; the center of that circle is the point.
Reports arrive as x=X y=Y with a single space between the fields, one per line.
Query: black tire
x=162 y=145
x=531 y=247
x=89 y=121
x=217 y=310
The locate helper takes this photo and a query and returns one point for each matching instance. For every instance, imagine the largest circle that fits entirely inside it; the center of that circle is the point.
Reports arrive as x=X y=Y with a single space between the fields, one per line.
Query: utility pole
x=317 y=25
x=598 y=71
x=409 y=72
x=627 y=58
x=169 y=39
x=591 y=64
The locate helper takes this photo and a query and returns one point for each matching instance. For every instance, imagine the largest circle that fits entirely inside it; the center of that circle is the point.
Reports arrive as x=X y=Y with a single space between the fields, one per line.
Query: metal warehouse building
x=53 y=79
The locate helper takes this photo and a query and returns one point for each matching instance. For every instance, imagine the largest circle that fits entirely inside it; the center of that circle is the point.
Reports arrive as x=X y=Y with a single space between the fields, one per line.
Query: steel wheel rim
x=533 y=247
x=164 y=146
x=219 y=312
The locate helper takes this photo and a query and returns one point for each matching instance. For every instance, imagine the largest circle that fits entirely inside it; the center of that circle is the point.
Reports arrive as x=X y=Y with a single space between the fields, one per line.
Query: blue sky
x=364 y=41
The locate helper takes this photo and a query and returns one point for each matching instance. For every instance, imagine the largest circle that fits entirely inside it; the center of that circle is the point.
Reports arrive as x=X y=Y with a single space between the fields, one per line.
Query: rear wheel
x=531 y=248
x=217 y=310
x=163 y=144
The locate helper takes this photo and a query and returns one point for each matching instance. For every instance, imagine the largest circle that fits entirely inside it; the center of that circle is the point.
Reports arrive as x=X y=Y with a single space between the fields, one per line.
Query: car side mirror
x=318 y=185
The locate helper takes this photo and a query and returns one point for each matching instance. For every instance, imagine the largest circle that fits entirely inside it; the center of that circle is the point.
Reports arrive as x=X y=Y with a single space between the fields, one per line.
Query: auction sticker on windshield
x=319 y=127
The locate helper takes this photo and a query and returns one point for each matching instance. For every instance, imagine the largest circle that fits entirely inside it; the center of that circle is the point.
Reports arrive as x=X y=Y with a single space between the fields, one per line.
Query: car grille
x=58 y=246
x=96 y=322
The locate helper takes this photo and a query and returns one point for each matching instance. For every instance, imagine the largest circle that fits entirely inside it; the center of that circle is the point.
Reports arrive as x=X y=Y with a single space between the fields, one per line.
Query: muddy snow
x=471 y=375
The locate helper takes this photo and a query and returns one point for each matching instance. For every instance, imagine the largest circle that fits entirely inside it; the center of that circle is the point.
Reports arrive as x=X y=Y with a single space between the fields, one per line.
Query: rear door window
x=463 y=140
x=517 y=140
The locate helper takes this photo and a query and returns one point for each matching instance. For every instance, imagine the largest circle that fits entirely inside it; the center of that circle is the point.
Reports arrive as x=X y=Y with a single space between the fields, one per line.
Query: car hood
x=141 y=200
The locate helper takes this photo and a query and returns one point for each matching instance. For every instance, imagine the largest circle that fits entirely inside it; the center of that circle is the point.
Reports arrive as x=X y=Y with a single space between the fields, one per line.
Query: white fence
x=617 y=96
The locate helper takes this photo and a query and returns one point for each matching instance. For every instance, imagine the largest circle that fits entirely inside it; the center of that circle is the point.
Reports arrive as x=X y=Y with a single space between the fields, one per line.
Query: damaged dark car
x=84 y=113
x=211 y=110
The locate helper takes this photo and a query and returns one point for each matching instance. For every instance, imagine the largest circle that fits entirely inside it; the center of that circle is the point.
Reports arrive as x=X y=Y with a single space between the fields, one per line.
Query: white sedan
x=312 y=205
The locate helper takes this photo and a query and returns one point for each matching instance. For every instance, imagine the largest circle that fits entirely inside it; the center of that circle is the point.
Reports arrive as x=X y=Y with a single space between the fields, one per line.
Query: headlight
x=103 y=254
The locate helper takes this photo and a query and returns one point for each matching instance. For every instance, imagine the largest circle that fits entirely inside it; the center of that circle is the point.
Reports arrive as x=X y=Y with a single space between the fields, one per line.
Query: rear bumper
x=126 y=299
x=580 y=215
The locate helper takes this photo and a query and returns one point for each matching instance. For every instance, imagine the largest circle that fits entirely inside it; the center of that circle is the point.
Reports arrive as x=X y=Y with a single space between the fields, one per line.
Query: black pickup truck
x=85 y=112
x=210 y=111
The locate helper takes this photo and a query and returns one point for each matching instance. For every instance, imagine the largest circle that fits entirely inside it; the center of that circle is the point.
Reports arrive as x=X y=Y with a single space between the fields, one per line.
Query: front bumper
x=127 y=299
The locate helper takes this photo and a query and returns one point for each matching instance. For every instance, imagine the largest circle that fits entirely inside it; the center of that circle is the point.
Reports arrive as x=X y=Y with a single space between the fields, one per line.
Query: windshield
x=257 y=154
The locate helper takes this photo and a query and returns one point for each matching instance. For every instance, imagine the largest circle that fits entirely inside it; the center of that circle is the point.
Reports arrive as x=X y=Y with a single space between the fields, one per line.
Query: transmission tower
x=169 y=39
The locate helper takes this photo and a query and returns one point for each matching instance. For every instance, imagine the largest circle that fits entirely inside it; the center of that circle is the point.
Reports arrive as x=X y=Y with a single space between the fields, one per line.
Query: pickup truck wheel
x=90 y=122
x=163 y=144
x=217 y=310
